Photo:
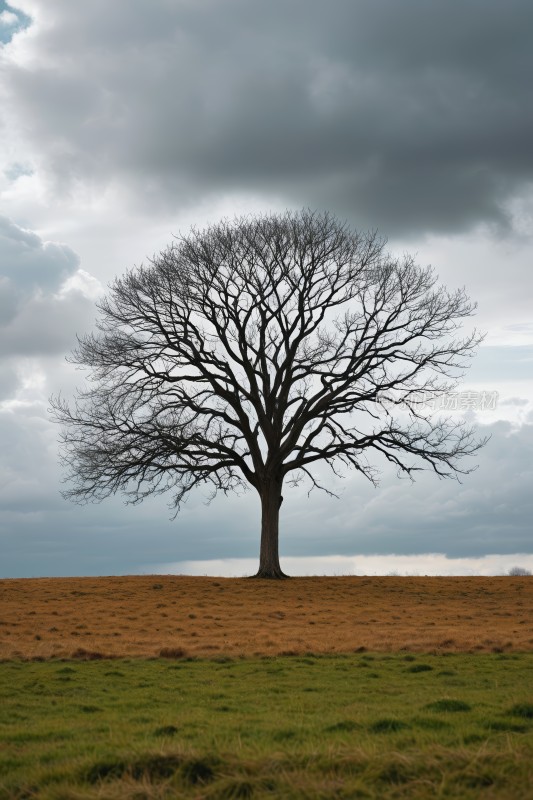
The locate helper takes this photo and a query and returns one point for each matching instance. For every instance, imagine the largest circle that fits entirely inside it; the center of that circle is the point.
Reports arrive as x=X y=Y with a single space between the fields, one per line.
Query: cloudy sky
x=124 y=123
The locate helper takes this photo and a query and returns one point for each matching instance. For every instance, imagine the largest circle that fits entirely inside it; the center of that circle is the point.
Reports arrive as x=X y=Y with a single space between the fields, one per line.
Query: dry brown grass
x=177 y=616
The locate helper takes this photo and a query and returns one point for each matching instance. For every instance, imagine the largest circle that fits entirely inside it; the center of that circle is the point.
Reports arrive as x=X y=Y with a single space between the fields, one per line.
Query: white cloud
x=81 y=283
x=416 y=565
x=8 y=18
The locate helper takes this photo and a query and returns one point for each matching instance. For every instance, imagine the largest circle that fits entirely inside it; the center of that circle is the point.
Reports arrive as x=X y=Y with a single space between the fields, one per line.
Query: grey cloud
x=493 y=364
x=8 y=381
x=489 y=512
x=410 y=116
x=514 y=401
x=45 y=325
x=35 y=318
x=13 y=235
x=41 y=534
x=25 y=467
x=30 y=264
x=9 y=300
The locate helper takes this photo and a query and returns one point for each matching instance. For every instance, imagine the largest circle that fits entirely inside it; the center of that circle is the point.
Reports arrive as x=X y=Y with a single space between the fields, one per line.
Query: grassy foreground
x=352 y=726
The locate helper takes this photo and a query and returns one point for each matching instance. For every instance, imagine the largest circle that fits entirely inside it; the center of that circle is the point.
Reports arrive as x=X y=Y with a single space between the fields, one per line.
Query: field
x=141 y=616
x=231 y=688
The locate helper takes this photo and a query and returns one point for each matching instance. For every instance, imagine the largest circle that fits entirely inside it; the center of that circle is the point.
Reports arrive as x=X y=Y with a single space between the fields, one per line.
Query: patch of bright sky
x=17 y=170
x=422 y=564
x=12 y=20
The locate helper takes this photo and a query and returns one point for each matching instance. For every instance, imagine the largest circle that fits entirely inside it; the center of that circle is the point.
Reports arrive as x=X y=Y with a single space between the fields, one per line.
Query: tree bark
x=271 y=501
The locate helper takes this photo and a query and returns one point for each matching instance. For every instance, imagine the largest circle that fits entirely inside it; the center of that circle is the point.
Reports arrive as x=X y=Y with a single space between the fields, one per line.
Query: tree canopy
x=246 y=353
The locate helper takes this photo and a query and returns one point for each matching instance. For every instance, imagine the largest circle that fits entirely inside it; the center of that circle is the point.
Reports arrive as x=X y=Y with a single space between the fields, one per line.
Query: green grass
x=358 y=726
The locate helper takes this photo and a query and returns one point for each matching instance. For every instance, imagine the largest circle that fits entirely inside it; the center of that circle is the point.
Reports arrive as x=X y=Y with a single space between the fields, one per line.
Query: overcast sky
x=124 y=123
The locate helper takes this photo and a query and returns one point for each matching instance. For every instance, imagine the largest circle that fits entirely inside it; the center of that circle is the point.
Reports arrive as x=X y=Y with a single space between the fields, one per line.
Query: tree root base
x=271 y=576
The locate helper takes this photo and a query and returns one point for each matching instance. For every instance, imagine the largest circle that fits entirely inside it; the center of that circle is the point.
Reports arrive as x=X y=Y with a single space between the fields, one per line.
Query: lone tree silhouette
x=245 y=353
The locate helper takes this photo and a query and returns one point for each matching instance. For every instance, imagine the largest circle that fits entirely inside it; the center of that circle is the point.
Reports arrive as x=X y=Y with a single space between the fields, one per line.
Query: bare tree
x=246 y=353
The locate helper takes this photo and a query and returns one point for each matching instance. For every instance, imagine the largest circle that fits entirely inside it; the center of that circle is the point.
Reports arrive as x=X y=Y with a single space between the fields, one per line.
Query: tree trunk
x=271 y=501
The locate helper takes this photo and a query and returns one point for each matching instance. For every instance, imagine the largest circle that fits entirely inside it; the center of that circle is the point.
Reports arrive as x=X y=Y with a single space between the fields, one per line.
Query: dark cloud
x=412 y=116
